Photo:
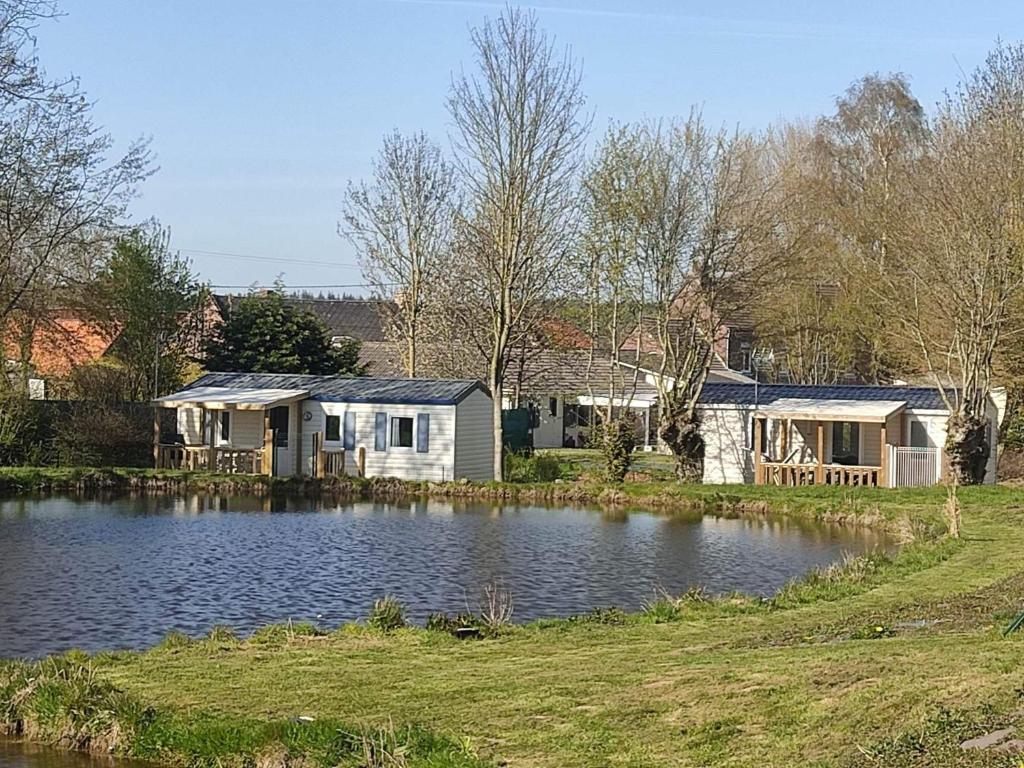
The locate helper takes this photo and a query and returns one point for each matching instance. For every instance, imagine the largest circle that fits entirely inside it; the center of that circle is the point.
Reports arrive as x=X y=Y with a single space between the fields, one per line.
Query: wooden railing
x=195 y=458
x=779 y=473
x=333 y=462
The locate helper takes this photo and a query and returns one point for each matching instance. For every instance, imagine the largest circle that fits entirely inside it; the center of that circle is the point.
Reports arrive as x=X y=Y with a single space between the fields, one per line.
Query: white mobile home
x=785 y=434
x=284 y=424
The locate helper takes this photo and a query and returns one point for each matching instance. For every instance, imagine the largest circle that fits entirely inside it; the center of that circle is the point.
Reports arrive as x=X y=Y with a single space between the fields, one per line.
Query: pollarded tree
x=264 y=333
x=519 y=129
x=401 y=226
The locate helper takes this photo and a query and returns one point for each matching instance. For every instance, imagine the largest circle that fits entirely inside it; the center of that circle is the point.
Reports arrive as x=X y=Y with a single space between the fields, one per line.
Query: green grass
x=881 y=660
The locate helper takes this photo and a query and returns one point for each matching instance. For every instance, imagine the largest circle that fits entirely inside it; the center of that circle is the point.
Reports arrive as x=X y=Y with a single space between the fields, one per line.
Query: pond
x=20 y=755
x=121 y=573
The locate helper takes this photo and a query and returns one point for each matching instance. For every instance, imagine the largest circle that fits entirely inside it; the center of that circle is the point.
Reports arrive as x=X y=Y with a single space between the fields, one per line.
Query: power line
x=325 y=285
x=267 y=259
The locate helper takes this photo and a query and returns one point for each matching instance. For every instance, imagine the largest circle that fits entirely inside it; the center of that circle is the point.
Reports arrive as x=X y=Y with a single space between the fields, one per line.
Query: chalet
x=284 y=425
x=786 y=434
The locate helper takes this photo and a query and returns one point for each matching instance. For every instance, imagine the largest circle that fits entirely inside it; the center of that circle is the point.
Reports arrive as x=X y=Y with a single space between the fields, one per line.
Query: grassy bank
x=882 y=661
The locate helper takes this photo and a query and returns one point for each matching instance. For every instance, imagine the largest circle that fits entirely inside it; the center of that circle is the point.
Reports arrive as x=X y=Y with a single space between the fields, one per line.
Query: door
x=282 y=450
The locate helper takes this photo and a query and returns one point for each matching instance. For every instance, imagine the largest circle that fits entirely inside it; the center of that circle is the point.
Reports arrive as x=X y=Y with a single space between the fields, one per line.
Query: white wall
x=474 y=438
x=727 y=457
x=437 y=464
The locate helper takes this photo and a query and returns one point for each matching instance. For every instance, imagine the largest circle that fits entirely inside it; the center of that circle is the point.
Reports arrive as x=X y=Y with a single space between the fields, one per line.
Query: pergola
x=821 y=412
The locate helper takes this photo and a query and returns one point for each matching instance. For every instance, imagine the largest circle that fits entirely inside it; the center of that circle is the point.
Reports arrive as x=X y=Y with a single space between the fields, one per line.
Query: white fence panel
x=913 y=466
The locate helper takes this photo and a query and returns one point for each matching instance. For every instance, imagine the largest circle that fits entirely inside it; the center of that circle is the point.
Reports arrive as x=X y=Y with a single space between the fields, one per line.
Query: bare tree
x=960 y=271
x=401 y=226
x=60 y=195
x=707 y=240
x=519 y=128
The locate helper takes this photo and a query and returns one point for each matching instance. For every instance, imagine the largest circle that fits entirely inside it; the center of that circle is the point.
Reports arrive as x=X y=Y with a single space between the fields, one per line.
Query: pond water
x=121 y=573
x=20 y=755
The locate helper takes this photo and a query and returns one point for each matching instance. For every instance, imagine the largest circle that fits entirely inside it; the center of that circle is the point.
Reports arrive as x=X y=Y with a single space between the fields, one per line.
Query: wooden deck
x=780 y=473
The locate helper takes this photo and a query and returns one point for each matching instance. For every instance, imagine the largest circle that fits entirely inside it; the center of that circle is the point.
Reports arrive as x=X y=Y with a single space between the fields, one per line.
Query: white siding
x=870 y=444
x=246 y=429
x=437 y=464
x=474 y=438
x=727 y=457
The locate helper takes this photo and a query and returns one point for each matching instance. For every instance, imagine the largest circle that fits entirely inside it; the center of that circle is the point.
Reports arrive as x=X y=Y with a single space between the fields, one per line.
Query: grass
x=879 y=660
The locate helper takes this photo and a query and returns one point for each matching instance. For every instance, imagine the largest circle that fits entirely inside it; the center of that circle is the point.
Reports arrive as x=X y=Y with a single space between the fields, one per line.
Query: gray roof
x=923 y=398
x=340 y=389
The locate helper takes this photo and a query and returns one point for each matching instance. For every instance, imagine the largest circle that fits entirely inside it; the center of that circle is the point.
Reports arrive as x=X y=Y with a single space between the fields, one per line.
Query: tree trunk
x=681 y=433
x=968 y=448
x=499 y=465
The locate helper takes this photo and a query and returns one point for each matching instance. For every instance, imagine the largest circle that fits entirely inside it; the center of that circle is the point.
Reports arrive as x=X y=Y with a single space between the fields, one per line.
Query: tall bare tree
x=60 y=194
x=960 y=272
x=707 y=241
x=519 y=128
x=401 y=226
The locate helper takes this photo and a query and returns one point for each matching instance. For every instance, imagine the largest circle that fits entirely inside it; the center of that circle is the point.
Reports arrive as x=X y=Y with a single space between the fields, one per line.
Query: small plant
x=387 y=614
x=616 y=440
x=175 y=639
x=872 y=632
x=220 y=633
x=663 y=609
x=610 y=615
x=496 y=608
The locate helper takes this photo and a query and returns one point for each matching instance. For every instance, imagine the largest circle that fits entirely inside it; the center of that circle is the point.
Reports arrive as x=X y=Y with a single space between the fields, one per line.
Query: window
x=401 y=431
x=333 y=430
x=845 y=442
x=918 y=435
x=553 y=406
x=279 y=425
x=338 y=341
x=225 y=426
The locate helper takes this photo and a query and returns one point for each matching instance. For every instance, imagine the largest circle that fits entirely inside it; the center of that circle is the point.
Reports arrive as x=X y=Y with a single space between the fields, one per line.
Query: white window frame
x=393 y=432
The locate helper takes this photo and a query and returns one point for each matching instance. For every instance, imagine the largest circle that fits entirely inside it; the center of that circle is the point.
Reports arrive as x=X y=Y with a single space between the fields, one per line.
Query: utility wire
x=268 y=259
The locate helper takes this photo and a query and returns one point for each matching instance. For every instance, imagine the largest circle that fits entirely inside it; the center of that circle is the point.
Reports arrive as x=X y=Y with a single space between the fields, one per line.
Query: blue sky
x=260 y=111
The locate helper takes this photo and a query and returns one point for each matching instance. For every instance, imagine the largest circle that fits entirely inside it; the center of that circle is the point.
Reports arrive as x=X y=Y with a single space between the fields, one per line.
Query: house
x=786 y=434
x=284 y=425
x=53 y=346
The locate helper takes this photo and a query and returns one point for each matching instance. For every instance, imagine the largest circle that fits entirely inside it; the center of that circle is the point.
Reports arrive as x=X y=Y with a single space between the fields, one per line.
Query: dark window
x=225 y=426
x=918 y=435
x=279 y=425
x=572 y=414
x=553 y=406
x=334 y=428
x=845 y=442
x=401 y=431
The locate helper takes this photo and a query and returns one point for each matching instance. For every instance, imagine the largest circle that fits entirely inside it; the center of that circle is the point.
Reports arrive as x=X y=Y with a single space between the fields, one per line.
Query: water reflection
x=18 y=755
x=117 y=573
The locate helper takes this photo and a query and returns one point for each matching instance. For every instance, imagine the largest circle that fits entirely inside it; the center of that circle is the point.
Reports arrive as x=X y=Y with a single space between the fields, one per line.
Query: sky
x=261 y=112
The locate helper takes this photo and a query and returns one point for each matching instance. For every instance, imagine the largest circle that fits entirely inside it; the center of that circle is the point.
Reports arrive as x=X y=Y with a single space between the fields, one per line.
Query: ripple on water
x=122 y=573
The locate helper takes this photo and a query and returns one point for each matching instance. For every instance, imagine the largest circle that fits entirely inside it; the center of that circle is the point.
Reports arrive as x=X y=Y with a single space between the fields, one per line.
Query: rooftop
x=345 y=389
x=922 y=398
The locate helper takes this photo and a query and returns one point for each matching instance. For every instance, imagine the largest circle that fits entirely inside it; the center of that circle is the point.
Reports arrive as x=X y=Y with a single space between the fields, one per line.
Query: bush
x=459 y=625
x=96 y=434
x=533 y=468
x=616 y=440
x=387 y=614
x=25 y=431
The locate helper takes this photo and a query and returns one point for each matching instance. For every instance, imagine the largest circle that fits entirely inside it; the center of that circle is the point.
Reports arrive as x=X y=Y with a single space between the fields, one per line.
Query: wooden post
x=883 y=473
x=268 y=444
x=318 y=454
x=211 y=430
x=757 y=451
x=784 y=440
x=820 y=476
x=156 y=437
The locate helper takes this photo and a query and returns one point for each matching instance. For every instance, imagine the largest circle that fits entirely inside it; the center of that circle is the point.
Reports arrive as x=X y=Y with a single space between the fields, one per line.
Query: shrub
x=496 y=608
x=616 y=440
x=25 y=431
x=533 y=468
x=220 y=633
x=387 y=614
x=174 y=640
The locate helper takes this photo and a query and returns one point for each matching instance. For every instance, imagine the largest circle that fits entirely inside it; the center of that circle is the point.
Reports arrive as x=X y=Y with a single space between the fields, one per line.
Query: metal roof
x=919 y=398
x=342 y=389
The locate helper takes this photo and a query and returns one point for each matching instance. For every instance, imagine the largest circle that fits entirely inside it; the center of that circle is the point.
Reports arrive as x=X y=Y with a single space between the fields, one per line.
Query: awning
x=637 y=401
x=224 y=398
x=811 y=409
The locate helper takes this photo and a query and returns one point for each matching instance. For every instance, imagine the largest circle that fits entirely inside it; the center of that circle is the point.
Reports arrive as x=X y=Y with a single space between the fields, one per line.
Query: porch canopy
x=224 y=398
x=815 y=409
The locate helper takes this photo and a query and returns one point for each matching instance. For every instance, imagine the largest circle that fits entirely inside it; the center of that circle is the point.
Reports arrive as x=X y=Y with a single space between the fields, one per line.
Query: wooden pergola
x=885 y=413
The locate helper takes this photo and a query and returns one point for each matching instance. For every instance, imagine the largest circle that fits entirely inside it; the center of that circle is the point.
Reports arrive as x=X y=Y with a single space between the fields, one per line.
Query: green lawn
x=892 y=667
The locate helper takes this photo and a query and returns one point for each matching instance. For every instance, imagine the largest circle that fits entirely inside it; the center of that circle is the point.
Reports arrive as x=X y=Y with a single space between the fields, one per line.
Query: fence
x=913 y=466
